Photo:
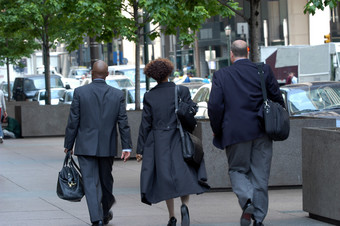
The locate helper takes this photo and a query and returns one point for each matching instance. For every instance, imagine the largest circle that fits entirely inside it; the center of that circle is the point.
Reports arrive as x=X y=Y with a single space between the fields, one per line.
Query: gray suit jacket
x=96 y=110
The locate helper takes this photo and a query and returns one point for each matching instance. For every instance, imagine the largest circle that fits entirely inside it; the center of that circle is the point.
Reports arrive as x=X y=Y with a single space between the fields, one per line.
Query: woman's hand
x=139 y=157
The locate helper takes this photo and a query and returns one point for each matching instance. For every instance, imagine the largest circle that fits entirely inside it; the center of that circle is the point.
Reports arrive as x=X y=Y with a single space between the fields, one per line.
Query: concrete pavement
x=28 y=175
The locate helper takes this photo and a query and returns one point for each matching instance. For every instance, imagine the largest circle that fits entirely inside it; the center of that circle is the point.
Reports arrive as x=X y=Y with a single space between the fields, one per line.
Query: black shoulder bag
x=191 y=146
x=275 y=117
x=186 y=113
x=70 y=184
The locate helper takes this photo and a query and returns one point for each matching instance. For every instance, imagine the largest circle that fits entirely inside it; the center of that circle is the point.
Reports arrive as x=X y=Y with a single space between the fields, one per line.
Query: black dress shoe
x=98 y=223
x=172 y=221
x=185 y=215
x=247 y=213
x=256 y=223
x=108 y=217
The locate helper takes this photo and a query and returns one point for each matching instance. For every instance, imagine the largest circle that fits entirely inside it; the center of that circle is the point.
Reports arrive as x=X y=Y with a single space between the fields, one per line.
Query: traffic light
x=327 y=38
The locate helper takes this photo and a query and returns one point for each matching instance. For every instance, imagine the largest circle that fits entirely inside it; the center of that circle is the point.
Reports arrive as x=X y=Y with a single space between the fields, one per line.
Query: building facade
x=282 y=23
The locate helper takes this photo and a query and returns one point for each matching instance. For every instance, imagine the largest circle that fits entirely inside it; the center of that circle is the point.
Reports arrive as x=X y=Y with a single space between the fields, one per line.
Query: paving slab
x=28 y=175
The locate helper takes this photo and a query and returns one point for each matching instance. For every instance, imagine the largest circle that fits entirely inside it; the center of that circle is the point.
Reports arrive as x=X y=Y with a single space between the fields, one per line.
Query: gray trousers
x=249 y=170
x=98 y=184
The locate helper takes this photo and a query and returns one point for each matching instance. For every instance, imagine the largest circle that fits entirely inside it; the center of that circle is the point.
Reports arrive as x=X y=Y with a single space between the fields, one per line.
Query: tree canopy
x=313 y=5
x=14 y=40
x=69 y=21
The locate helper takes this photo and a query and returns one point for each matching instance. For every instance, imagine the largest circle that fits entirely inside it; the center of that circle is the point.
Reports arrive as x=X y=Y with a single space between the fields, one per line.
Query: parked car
x=193 y=87
x=186 y=79
x=313 y=99
x=72 y=83
x=25 y=88
x=56 y=94
x=4 y=88
x=130 y=97
x=67 y=97
x=79 y=73
x=130 y=72
x=117 y=81
x=201 y=97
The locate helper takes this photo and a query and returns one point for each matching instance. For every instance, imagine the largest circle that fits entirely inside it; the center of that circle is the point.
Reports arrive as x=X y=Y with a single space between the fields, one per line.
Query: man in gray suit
x=96 y=110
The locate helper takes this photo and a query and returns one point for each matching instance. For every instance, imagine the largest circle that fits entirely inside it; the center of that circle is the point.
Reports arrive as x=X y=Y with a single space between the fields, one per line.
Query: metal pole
x=210 y=60
x=285 y=31
x=265 y=33
x=146 y=53
x=94 y=51
x=229 y=61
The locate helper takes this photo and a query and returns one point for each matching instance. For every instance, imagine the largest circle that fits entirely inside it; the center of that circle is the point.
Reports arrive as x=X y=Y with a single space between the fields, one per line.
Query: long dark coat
x=164 y=173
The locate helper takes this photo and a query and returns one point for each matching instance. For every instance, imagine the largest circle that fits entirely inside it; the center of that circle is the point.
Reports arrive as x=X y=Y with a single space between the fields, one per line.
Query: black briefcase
x=70 y=185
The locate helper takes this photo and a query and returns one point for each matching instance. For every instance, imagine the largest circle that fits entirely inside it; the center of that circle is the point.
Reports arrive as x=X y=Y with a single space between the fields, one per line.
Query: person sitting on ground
x=13 y=129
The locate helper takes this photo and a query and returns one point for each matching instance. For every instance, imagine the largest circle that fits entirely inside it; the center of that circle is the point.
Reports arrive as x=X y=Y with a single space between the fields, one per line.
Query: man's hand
x=5 y=114
x=66 y=150
x=125 y=155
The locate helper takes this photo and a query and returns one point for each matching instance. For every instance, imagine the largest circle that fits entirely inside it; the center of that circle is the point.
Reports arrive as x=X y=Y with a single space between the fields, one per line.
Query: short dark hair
x=159 y=69
x=239 y=50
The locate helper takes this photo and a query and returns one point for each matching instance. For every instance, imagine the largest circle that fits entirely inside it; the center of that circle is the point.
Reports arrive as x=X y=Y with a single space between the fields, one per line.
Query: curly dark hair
x=159 y=69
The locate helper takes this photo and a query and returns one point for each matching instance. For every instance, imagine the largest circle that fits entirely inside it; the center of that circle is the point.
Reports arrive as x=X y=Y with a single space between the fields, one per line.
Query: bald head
x=100 y=70
x=239 y=50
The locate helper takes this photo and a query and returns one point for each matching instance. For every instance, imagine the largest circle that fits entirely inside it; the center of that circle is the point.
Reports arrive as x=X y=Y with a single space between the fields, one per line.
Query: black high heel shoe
x=185 y=215
x=172 y=221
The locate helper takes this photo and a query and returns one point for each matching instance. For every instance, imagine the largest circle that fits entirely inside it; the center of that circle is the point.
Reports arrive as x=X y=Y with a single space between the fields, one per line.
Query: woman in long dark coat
x=164 y=174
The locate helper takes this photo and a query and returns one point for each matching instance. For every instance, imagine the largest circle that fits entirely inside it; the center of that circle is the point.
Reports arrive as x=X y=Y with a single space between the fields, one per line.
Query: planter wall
x=320 y=171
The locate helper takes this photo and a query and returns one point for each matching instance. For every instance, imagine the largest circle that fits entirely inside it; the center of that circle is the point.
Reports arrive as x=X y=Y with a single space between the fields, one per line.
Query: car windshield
x=39 y=83
x=306 y=99
x=202 y=95
x=120 y=83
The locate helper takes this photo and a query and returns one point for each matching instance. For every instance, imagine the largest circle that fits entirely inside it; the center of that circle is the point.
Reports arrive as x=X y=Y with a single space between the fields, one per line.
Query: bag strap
x=263 y=86
x=179 y=125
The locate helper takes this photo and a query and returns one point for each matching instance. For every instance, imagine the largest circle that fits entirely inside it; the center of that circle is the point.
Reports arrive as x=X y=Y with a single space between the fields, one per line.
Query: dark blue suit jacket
x=235 y=101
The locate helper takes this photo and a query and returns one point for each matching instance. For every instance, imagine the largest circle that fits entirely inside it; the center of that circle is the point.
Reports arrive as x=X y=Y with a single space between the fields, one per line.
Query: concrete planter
x=42 y=120
x=320 y=171
x=37 y=121
x=286 y=163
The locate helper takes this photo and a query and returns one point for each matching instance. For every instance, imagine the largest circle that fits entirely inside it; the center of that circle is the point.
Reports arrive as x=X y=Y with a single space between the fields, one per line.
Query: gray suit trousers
x=98 y=184
x=249 y=170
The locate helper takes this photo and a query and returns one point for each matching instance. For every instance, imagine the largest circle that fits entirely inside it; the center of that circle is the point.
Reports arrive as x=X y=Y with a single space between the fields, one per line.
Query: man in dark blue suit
x=96 y=110
x=235 y=100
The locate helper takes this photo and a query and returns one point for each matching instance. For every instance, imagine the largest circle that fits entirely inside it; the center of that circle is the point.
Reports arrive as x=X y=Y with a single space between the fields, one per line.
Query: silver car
x=313 y=99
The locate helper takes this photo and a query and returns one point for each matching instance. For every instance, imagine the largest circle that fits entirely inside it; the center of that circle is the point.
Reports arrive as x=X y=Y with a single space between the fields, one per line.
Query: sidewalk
x=28 y=175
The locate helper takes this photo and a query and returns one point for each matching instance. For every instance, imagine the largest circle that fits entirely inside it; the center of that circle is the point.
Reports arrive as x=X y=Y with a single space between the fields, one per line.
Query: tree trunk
x=197 y=57
x=137 y=72
x=8 y=77
x=8 y=81
x=137 y=75
x=254 y=24
x=46 y=58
